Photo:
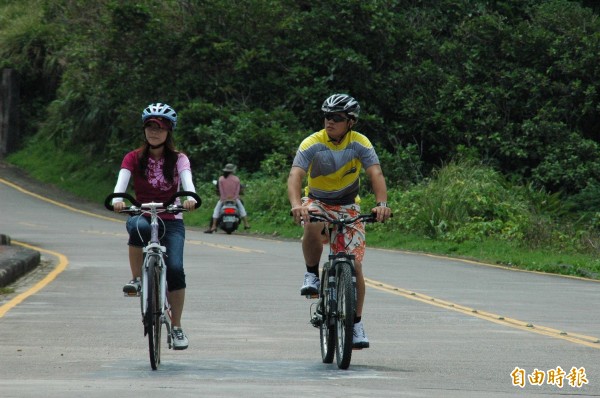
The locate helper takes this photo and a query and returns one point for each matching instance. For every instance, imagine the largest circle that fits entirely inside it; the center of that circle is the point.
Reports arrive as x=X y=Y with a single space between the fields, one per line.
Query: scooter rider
x=229 y=190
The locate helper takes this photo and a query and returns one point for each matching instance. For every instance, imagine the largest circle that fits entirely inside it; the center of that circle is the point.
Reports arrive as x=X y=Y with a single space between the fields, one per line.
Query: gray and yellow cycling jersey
x=333 y=170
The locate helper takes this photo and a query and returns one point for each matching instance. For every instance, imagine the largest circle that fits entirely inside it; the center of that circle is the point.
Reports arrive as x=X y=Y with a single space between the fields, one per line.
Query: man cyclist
x=332 y=159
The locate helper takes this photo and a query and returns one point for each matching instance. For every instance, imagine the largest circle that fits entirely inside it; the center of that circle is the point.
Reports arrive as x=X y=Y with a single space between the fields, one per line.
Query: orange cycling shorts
x=354 y=237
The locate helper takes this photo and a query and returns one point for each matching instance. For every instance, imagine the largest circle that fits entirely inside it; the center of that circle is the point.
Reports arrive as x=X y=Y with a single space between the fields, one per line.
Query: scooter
x=229 y=217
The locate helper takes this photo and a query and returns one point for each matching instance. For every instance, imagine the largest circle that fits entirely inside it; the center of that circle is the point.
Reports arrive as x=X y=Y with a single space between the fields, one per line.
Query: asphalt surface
x=16 y=260
x=438 y=327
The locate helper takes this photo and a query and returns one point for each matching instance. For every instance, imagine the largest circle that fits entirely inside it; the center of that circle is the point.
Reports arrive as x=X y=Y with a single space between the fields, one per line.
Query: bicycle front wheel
x=153 y=321
x=346 y=308
x=327 y=326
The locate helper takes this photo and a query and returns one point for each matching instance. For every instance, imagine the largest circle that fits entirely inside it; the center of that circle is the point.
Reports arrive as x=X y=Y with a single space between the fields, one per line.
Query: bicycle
x=153 y=292
x=336 y=308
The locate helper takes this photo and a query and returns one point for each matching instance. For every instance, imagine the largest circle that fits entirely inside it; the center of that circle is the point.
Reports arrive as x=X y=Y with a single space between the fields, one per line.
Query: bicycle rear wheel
x=153 y=321
x=327 y=326
x=346 y=308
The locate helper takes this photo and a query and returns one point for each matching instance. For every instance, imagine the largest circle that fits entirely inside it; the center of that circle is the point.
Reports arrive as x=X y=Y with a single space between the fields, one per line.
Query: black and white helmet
x=160 y=110
x=341 y=103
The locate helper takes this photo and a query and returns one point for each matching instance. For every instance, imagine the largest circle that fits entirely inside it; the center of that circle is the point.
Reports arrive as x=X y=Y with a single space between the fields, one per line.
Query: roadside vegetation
x=464 y=210
x=484 y=113
x=6 y=290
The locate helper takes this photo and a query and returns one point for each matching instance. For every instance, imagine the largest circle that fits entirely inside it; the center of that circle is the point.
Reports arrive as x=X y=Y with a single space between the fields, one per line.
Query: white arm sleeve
x=187 y=183
x=122 y=183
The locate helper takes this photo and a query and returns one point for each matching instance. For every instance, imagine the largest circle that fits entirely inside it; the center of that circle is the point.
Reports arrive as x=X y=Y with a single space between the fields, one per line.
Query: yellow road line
x=189 y=241
x=589 y=341
x=479 y=263
x=226 y=247
x=581 y=339
x=64 y=206
x=60 y=267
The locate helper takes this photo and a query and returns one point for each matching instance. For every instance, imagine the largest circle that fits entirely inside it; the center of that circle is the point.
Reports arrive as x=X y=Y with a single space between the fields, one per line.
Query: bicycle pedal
x=316 y=320
x=311 y=296
x=125 y=294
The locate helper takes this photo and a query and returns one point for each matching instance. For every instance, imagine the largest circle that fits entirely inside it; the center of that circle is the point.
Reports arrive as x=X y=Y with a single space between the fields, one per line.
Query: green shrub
x=463 y=201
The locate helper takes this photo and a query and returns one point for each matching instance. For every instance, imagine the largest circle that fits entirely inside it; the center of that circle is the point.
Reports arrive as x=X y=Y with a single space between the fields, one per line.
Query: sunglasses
x=335 y=117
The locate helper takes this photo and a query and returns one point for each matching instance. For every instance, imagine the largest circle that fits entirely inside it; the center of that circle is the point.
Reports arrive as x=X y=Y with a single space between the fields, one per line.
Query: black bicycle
x=335 y=311
x=153 y=294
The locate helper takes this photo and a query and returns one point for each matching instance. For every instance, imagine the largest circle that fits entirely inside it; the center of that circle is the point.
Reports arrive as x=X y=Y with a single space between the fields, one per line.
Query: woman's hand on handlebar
x=189 y=205
x=118 y=206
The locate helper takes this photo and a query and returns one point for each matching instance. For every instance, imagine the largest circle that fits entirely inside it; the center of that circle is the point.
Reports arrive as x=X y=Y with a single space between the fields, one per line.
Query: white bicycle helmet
x=158 y=110
x=341 y=103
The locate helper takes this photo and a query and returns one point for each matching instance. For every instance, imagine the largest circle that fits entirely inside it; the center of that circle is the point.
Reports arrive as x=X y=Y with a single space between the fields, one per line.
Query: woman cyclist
x=158 y=170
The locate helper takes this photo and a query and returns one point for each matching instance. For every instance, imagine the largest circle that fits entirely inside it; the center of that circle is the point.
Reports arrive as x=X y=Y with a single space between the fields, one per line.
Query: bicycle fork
x=153 y=250
x=165 y=308
x=337 y=270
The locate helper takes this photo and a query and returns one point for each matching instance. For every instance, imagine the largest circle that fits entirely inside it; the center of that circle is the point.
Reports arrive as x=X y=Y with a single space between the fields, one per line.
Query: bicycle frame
x=341 y=256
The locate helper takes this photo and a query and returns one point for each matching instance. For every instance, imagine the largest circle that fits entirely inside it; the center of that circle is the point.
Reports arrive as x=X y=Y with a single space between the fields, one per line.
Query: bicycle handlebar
x=342 y=221
x=318 y=217
x=124 y=195
x=137 y=206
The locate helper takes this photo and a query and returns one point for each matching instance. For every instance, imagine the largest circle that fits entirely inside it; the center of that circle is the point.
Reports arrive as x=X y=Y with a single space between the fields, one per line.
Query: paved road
x=438 y=327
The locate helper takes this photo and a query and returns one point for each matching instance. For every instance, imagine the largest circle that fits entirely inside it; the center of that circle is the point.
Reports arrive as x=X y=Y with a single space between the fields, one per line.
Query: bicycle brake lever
x=176 y=209
x=131 y=210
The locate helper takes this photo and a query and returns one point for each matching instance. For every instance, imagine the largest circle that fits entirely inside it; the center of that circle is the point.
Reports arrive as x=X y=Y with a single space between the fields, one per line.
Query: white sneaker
x=180 y=340
x=359 y=338
x=132 y=289
x=311 y=284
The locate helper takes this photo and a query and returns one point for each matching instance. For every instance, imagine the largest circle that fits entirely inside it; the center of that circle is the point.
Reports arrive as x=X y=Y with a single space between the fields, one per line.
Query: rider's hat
x=230 y=167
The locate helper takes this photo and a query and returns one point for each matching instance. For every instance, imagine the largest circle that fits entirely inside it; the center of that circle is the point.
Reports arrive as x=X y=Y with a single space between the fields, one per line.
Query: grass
x=268 y=209
x=6 y=290
x=78 y=174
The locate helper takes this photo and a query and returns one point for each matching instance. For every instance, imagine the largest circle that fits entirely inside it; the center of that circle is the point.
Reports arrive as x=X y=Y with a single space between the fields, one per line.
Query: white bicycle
x=153 y=294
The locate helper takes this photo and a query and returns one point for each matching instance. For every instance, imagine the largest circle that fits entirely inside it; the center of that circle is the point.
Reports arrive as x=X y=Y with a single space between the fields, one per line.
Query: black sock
x=313 y=269
x=357 y=319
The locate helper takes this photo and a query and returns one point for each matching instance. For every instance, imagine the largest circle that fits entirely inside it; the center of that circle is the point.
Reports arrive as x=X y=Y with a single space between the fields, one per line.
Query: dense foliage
x=484 y=108
x=516 y=82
